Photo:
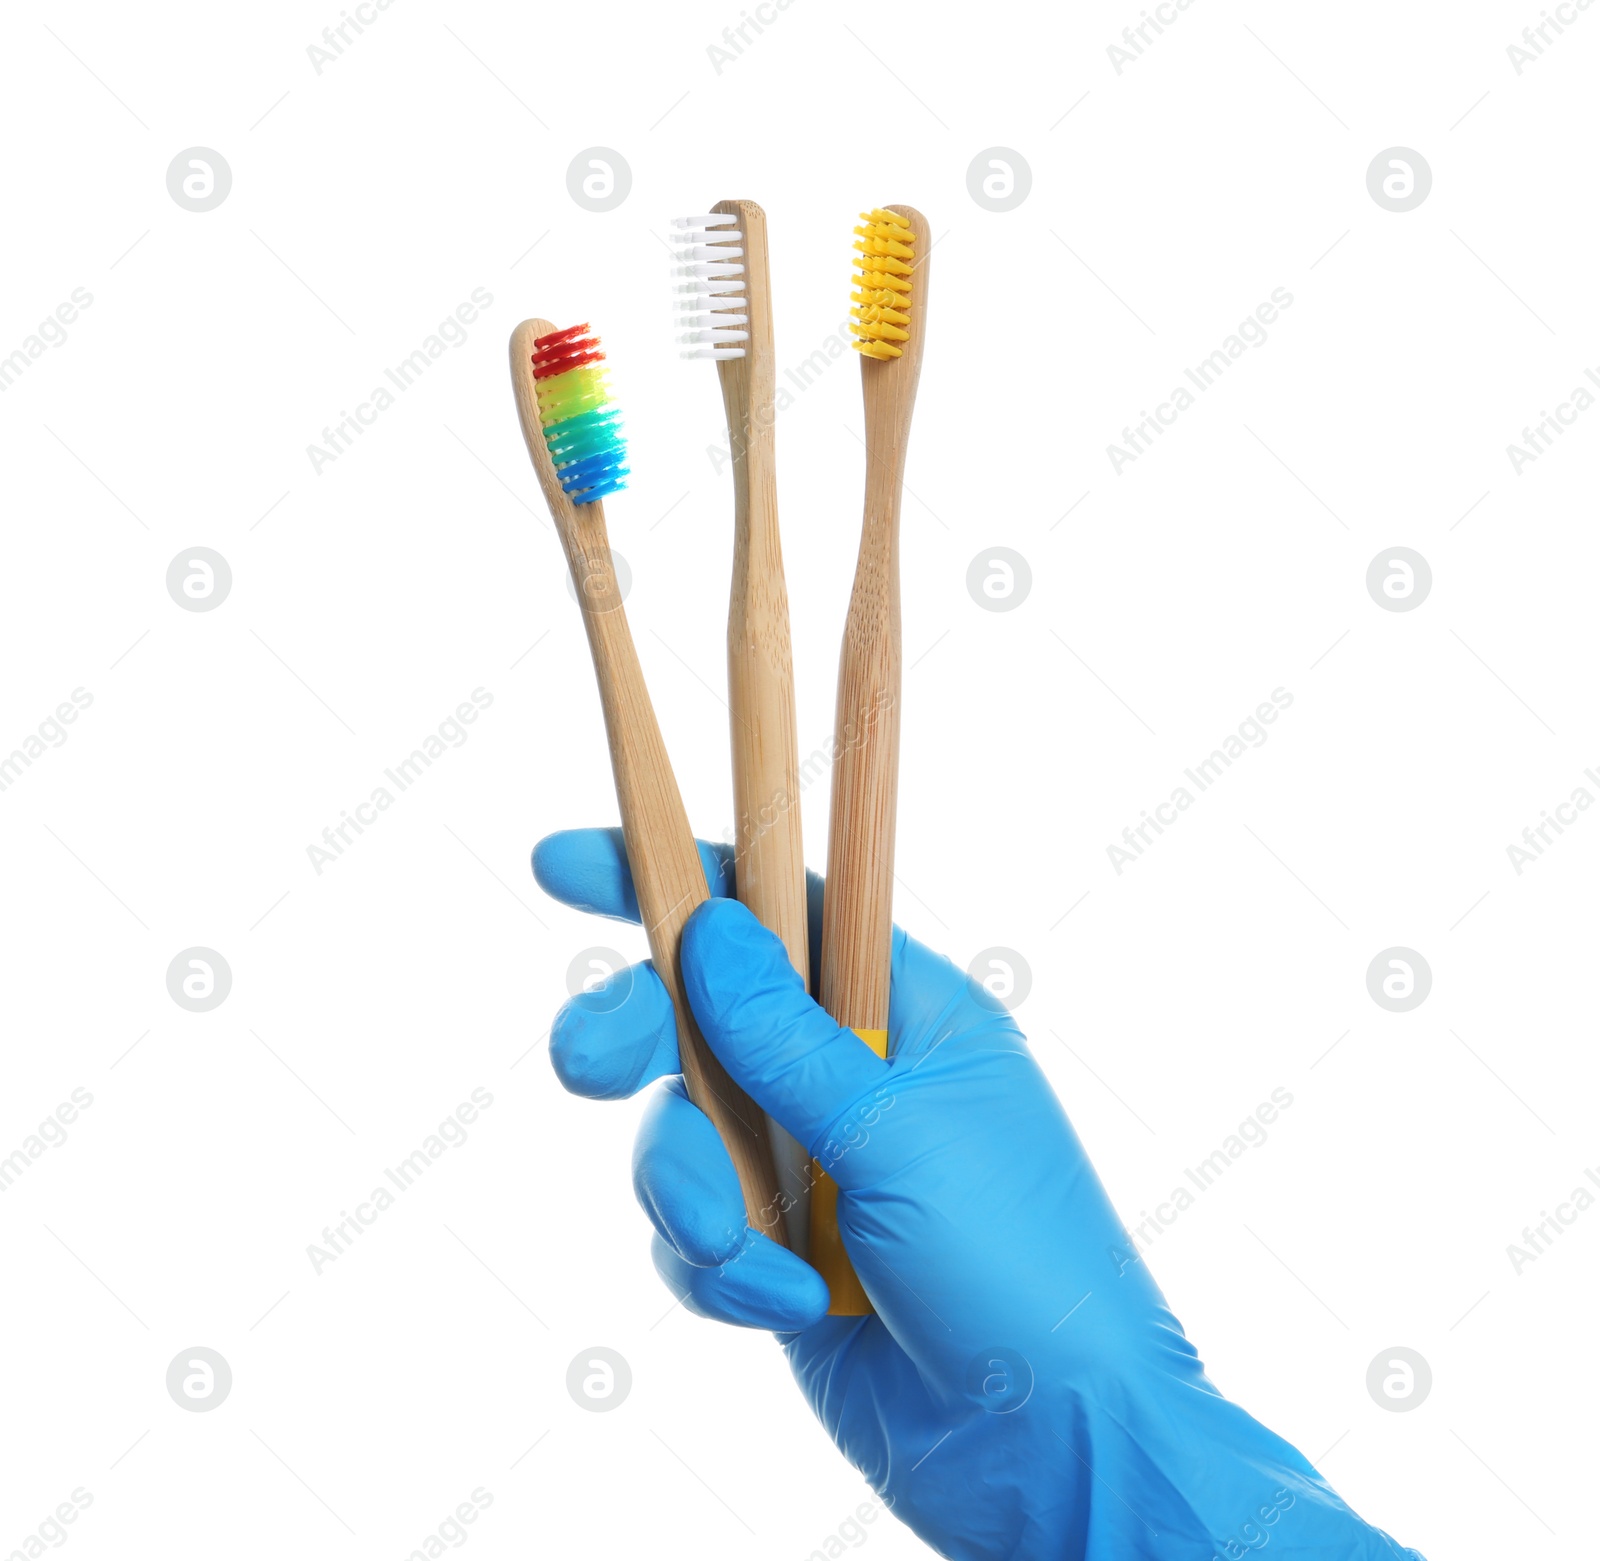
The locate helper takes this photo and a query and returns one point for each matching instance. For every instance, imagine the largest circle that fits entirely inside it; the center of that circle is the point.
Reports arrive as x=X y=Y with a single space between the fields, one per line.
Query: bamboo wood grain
x=667 y=874
x=857 y=913
x=770 y=871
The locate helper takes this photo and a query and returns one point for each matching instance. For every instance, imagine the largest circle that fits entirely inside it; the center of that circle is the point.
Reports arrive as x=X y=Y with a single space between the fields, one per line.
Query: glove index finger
x=588 y=870
x=755 y=1012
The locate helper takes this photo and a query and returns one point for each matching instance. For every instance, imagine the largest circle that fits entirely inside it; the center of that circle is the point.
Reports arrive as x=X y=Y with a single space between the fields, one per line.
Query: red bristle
x=562 y=351
x=559 y=336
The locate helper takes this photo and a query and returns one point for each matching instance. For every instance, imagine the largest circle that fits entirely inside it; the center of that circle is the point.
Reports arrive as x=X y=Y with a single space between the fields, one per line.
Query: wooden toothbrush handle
x=771 y=873
x=857 y=914
x=770 y=863
x=857 y=905
x=670 y=882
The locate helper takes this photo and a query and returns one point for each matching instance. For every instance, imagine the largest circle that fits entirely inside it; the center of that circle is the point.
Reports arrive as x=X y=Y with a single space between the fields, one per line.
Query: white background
x=1167 y=202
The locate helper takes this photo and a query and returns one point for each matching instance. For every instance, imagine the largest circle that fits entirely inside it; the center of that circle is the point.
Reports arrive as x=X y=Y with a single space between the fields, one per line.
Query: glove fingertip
x=685 y=1182
x=587 y=869
x=727 y=953
x=608 y=1043
x=763 y=1286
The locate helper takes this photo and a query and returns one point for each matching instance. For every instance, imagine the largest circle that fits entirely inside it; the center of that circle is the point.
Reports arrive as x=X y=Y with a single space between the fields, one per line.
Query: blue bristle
x=591 y=479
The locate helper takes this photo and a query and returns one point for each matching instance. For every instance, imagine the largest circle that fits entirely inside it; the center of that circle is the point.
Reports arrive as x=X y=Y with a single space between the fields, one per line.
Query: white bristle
x=714 y=270
x=715 y=252
x=707 y=251
x=719 y=286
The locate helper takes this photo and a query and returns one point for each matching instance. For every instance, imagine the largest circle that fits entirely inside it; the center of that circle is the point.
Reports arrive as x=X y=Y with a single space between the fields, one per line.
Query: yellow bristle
x=566 y=395
x=884 y=245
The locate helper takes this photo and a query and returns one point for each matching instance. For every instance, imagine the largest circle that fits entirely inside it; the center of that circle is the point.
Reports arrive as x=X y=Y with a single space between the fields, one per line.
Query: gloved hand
x=1023 y=1390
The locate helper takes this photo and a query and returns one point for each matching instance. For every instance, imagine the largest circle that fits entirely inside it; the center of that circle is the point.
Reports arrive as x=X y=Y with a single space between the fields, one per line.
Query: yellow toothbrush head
x=881 y=303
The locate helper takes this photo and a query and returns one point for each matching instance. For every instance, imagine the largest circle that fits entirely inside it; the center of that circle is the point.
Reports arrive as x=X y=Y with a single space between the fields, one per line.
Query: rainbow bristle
x=878 y=315
x=582 y=426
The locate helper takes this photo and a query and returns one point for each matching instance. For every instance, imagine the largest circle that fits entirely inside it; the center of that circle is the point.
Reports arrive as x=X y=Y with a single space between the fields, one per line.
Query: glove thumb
x=782 y=1049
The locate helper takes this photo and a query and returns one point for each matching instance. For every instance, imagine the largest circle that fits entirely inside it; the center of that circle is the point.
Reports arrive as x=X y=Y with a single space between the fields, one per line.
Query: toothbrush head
x=582 y=425
x=881 y=302
x=711 y=303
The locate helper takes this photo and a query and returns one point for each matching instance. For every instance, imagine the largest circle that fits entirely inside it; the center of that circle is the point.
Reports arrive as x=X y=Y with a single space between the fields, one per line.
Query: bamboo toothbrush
x=889 y=316
x=574 y=439
x=726 y=307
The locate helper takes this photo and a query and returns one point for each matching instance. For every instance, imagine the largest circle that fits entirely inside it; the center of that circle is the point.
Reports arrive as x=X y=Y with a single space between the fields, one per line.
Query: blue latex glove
x=1023 y=1390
